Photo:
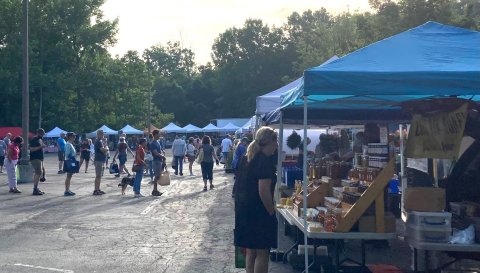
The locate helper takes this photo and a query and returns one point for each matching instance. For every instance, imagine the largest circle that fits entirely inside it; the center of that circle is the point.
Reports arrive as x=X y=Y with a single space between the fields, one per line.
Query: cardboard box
x=425 y=199
x=367 y=223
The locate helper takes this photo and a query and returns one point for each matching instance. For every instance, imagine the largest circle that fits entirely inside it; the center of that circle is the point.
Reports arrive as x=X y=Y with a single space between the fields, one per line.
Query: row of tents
x=170 y=128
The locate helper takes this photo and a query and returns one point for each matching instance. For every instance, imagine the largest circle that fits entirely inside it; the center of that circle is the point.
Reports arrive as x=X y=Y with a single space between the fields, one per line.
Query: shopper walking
x=11 y=160
x=179 y=149
x=61 y=152
x=101 y=151
x=226 y=146
x=70 y=153
x=191 y=153
x=85 y=153
x=207 y=162
x=36 y=159
x=122 y=156
x=255 y=221
x=140 y=161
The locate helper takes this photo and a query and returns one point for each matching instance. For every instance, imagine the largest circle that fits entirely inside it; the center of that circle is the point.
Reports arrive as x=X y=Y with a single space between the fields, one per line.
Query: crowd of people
x=149 y=158
x=254 y=163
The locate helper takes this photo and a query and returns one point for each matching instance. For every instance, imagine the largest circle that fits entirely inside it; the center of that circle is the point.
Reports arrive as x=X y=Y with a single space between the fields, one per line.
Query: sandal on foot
x=211 y=186
x=205 y=188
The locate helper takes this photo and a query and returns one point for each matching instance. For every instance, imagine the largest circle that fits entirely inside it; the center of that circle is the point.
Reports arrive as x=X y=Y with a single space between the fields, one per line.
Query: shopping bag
x=223 y=160
x=114 y=167
x=200 y=156
x=71 y=165
x=240 y=254
x=164 y=179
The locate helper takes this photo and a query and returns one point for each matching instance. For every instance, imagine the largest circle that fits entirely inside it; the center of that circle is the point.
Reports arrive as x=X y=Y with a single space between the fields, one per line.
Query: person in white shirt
x=226 y=146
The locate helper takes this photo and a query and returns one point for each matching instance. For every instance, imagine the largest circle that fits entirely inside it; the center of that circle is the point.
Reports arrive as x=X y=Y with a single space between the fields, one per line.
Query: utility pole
x=25 y=171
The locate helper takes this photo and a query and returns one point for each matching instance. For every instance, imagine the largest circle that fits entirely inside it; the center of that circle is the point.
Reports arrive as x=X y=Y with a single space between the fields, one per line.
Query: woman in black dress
x=255 y=221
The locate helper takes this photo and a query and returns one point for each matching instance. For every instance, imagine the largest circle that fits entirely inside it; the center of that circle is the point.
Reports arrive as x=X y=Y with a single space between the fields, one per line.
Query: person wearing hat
x=36 y=159
x=70 y=153
x=240 y=151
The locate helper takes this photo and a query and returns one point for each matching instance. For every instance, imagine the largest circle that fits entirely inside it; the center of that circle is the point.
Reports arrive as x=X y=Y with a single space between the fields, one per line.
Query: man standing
x=36 y=159
x=227 y=146
x=179 y=149
x=158 y=160
x=61 y=152
x=7 y=138
x=100 y=158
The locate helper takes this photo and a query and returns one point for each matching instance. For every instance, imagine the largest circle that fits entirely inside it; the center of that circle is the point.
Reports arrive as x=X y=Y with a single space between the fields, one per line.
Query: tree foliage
x=77 y=85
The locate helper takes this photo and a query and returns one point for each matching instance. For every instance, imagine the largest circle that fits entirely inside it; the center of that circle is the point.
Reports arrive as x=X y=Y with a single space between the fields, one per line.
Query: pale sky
x=196 y=23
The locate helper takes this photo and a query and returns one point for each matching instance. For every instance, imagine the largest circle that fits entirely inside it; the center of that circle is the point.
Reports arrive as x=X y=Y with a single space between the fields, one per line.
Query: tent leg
x=305 y=182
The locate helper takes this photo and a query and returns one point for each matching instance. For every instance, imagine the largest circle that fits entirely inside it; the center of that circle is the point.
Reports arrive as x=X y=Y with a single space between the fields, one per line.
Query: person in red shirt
x=139 y=160
x=11 y=161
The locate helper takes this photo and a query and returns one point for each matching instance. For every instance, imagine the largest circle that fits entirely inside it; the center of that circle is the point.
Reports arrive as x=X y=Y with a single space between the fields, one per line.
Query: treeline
x=77 y=85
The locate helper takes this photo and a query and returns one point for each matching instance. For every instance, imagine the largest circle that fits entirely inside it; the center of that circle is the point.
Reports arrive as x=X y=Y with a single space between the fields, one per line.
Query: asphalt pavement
x=184 y=230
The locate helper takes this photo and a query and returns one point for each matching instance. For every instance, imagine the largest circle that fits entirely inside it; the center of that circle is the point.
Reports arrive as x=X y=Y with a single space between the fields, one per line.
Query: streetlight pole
x=24 y=162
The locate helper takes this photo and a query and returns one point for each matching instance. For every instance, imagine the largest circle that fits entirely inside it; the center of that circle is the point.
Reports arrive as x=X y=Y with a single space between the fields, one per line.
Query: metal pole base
x=25 y=171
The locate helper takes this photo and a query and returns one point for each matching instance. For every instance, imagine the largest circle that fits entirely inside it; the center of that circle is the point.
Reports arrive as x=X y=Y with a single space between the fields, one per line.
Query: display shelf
x=374 y=193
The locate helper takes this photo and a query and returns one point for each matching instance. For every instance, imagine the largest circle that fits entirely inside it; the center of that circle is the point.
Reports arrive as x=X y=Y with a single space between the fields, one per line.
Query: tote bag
x=164 y=179
x=71 y=165
x=200 y=156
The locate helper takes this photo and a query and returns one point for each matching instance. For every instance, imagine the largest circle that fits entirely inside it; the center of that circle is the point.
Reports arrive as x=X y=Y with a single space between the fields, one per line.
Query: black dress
x=254 y=227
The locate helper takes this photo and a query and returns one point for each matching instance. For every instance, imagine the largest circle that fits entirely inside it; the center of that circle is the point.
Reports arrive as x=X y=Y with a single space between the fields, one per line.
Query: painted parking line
x=45 y=268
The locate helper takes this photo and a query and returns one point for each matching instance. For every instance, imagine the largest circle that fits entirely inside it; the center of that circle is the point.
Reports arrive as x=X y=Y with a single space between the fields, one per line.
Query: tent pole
x=403 y=178
x=305 y=182
x=279 y=174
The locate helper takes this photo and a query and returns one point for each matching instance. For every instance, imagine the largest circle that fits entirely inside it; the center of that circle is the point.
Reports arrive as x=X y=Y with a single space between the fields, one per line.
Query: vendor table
x=336 y=237
x=426 y=246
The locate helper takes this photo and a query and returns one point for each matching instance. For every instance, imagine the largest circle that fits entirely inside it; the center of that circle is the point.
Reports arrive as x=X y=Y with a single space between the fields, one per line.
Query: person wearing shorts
x=157 y=162
x=36 y=159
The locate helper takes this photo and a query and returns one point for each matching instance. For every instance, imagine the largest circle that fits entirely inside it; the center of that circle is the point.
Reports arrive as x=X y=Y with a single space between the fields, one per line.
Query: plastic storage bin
x=439 y=219
x=428 y=233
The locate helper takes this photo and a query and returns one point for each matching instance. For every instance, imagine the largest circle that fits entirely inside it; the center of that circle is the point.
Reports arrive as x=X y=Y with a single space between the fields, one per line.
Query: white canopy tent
x=210 y=128
x=129 y=130
x=248 y=126
x=172 y=128
x=107 y=131
x=230 y=127
x=192 y=129
x=55 y=132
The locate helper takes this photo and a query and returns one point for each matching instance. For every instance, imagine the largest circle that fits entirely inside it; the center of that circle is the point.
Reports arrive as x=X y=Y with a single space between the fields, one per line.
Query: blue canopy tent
x=429 y=60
